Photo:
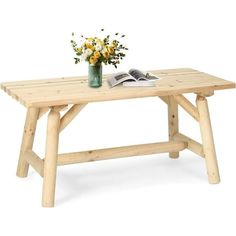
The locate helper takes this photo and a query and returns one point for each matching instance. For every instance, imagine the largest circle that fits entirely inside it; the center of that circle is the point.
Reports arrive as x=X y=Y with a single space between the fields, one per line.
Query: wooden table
x=53 y=95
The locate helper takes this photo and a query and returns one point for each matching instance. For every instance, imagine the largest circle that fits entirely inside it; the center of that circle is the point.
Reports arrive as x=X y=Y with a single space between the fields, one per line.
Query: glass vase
x=95 y=75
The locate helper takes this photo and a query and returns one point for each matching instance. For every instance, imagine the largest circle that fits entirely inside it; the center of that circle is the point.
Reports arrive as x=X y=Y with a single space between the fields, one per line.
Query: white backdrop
x=133 y=196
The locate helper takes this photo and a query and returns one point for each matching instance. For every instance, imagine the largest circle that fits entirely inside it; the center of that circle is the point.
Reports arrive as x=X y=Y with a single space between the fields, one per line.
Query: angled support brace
x=33 y=159
x=187 y=106
x=42 y=111
x=193 y=145
x=164 y=99
x=70 y=115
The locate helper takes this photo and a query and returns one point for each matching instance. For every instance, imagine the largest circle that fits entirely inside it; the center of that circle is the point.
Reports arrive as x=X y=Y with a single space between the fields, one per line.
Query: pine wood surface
x=74 y=90
x=54 y=95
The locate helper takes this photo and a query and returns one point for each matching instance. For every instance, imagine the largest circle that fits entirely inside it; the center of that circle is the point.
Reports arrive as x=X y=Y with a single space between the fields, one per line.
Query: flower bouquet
x=97 y=50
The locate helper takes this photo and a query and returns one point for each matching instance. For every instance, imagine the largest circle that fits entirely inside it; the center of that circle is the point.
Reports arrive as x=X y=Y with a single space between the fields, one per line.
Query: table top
x=75 y=90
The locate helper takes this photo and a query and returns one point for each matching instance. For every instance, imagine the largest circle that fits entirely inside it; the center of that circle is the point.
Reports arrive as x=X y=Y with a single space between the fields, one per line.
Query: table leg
x=50 y=162
x=207 y=139
x=173 y=122
x=27 y=140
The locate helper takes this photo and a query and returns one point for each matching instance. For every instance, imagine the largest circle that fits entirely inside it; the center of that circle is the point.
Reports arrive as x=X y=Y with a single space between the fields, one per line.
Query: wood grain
x=118 y=152
x=74 y=90
x=70 y=115
x=50 y=162
x=173 y=122
x=208 y=141
x=27 y=140
x=193 y=145
x=187 y=106
x=33 y=159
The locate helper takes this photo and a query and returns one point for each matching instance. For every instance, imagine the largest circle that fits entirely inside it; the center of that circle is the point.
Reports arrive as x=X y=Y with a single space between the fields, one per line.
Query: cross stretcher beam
x=118 y=152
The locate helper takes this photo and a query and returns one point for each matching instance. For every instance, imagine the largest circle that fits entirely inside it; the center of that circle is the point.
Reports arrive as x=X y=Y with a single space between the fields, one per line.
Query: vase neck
x=97 y=65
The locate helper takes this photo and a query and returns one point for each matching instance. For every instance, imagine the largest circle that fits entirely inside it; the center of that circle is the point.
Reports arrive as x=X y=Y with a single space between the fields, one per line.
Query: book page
x=119 y=78
x=139 y=75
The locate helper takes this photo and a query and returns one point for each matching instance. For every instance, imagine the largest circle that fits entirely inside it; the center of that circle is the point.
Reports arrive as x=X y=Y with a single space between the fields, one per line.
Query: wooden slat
x=77 y=81
x=193 y=145
x=187 y=106
x=33 y=88
x=66 y=79
x=74 y=90
x=37 y=163
x=75 y=98
x=80 y=85
x=81 y=89
x=23 y=83
x=118 y=152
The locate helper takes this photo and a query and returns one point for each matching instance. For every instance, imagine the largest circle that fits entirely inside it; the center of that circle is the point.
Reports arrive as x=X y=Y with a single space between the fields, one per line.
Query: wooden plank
x=36 y=82
x=12 y=87
x=187 y=106
x=74 y=98
x=162 y=85
x=27 y=140
x=57 y=92
x=173 y=122
x=81 y=86
x=70 y=115
x=193 y=145
x=208 y=141
x=72 y=78
x=35 y=87
x=33 y=159
x=81 y=82
x=118 y=152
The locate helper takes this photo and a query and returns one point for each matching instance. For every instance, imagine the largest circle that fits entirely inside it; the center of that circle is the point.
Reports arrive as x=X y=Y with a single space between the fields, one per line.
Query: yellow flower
x=106 y=54
x=114 y=44
x=90 y=46
x=99 y=41
x=90 y=39
x=92 y=60
x=111 y=50
x=97 y=54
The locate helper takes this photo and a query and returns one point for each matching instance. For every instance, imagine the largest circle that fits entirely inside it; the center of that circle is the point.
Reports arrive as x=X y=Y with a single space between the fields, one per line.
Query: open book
x=133 y=78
